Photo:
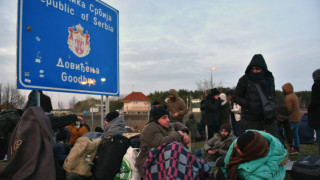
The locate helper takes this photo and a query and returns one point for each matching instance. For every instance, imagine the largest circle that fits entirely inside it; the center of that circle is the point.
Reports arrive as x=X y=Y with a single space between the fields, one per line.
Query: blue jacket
x=262 y=168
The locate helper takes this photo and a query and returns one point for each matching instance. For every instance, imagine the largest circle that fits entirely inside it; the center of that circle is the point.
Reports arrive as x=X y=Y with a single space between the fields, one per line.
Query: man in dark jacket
x=212 y=106
x=314 y=106
x=247 y=96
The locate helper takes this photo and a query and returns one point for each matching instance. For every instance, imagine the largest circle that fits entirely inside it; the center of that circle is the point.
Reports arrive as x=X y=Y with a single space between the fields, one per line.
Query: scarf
x=257 y=148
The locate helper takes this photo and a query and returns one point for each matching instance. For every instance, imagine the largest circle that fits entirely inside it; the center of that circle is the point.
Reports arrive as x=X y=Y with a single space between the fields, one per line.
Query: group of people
x=240 y=139
x=239 y=129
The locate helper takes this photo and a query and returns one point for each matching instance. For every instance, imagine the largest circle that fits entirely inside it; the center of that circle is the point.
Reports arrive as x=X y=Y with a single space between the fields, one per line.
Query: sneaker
x=291 y=150
x=294 y=151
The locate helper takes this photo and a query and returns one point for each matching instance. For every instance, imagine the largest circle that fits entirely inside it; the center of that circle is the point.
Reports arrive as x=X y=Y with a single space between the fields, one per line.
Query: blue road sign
x=68 y=46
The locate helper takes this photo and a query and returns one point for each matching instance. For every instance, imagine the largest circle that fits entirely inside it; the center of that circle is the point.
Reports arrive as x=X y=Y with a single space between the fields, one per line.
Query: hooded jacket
x=292 y=102
x=314 y=106
x=154 y=135
x=247 y=95
x=30 y=153
x=176 y=106
x=115 y=127
x=263 y=168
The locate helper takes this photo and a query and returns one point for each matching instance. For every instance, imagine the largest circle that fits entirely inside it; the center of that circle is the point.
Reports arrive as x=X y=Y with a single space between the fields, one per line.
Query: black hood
x=258 y=61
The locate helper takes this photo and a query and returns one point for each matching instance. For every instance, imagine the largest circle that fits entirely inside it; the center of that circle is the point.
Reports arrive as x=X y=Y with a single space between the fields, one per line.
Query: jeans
x=295 y=132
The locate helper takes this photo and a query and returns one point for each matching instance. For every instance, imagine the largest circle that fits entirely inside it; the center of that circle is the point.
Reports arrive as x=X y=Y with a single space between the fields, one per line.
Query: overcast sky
x=174 y=43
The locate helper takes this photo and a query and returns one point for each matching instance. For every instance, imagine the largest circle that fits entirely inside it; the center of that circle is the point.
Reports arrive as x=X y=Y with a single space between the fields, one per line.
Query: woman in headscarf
x=256 y=155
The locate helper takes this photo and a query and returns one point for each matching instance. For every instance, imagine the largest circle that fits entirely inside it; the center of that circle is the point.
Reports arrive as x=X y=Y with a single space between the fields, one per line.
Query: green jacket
x=263 y=168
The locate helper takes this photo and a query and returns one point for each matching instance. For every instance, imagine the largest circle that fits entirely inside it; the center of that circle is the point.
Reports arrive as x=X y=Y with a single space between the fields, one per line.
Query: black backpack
x=108 y=159
x=307 y=167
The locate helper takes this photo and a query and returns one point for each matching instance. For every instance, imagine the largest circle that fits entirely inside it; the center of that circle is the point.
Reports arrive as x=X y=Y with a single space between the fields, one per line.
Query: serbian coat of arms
x=78 y=42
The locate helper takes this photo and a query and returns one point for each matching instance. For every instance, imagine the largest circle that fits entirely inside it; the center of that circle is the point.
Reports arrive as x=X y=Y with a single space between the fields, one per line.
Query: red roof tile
x=136 y=96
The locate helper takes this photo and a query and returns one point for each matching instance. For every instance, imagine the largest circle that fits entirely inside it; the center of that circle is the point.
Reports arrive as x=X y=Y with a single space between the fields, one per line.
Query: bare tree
x=11 y=97
x=72 y=102
x=203 y=86
x=60 y=105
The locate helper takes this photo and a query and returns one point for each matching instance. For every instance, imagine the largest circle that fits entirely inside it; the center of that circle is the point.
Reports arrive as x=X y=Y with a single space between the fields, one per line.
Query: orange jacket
x=292 y=102
x=75 y=133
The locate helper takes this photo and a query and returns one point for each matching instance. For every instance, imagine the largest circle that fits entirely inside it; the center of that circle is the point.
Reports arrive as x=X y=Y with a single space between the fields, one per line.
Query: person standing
x=224 y=111
x=192 y=125
x=247 y=96
x=292 y=102
x=212 y=106
x=176 y=107
x=314 y=106
x=283 y=117
x=235 y=113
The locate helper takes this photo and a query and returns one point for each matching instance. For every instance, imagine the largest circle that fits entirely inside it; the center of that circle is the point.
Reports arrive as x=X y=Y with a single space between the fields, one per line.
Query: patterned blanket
x=173 y=161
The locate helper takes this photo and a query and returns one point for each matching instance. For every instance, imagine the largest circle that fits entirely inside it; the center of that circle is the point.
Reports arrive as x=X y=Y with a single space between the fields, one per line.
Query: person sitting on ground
x=219 y=144
x=158 y=132
x=192 y=125
x=255 y=155
x=180 y=164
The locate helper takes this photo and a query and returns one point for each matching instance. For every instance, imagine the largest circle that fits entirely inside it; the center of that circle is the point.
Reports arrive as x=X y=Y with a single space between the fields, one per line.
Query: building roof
x=136 y=96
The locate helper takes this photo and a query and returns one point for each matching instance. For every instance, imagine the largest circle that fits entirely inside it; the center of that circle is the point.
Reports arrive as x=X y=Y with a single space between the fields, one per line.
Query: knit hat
x=191 y=116
x=316 y=75
x=226 y=126
x=245 y=139
x=158 y=113
x=215 y=91
x=230 y=92
x=155 y=103
x=112 y=115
